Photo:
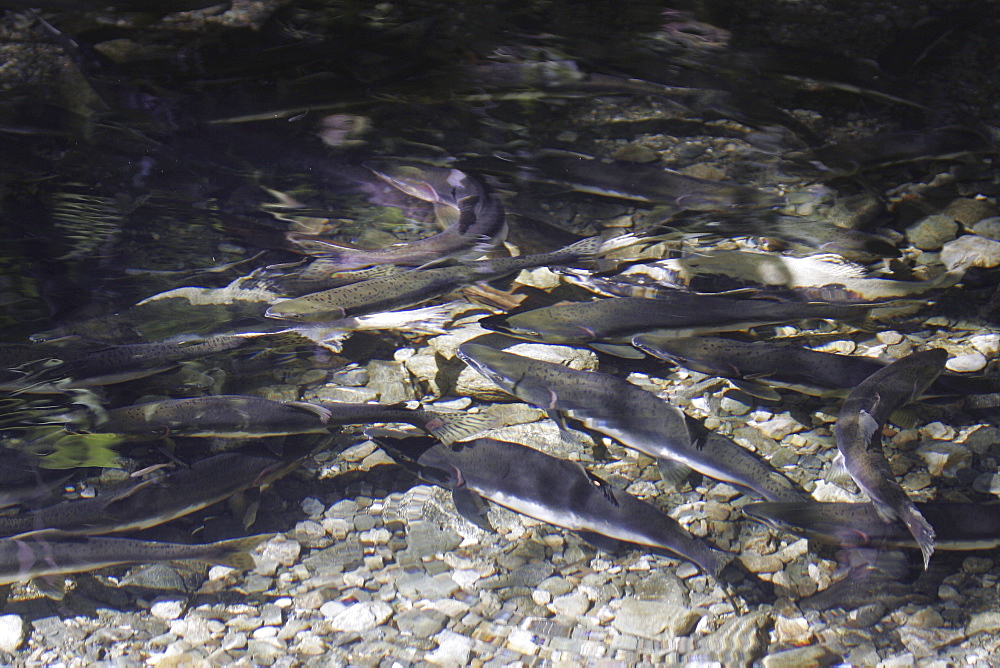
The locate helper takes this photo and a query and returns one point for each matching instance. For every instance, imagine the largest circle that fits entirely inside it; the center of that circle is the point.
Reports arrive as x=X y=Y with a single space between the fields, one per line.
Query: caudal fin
x=235 y=553
x=922 y=531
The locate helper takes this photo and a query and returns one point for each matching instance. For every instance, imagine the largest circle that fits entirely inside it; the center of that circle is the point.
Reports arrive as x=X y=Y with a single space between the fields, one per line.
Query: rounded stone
x=970 y=250
x=168 y=608
x=12 y=632
x=974 y=361
x=361 y=617
x=932 y=232
x=988 y=227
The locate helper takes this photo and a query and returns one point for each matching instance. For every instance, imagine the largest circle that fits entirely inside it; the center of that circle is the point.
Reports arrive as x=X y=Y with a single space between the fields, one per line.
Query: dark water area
x=245 y=215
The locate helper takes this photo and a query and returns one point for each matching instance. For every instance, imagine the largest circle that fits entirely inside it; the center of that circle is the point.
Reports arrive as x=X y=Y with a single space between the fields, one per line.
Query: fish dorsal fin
x=319 y=411
x=472 y=507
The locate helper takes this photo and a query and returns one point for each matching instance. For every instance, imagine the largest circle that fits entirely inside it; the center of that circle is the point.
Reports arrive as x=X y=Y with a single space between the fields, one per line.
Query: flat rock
x=932 y=232
x=967 y=363
x=361 y=617
x=988 y=228
x=168 y=608
x=390 y=381
x=570 y=605
x=983 y=621
x=801 y=657
x=740 y=640
x=453 y=650
x=971 y=250
x=654 y=619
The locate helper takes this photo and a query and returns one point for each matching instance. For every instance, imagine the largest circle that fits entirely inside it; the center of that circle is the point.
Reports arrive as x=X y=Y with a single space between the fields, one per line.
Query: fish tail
x=451 y=427
x=921 y=530
x=235 y=553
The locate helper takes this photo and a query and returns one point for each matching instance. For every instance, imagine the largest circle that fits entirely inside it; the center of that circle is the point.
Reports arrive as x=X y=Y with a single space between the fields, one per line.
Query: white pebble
x=967 y=363
x=265 y=632
x=167 y=608
x=361 y=617
x=12 y=632
x=331 y=609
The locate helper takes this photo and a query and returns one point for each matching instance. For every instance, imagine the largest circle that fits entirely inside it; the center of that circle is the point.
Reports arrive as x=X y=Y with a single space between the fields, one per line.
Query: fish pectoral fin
x=559 y=418
x=601 y=484
x=601 y=542
x=868 y=426
x=618 y=350
x=472 y=507
x=51 y=586
x=244 y=506
x=755 y=389
x=672 y=472
x=457 y=426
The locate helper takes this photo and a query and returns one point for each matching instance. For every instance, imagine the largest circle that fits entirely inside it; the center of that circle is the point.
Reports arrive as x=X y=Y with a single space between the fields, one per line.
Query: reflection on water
x=297 y=208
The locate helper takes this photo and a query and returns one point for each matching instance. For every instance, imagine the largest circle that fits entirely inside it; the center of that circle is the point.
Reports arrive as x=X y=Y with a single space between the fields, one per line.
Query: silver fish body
x=243 y=416
x=788 y=366
x=388 y=293
x=677 y=313
x=43 y=553
x=229 y=416
x=638 y=419
x=562 y=493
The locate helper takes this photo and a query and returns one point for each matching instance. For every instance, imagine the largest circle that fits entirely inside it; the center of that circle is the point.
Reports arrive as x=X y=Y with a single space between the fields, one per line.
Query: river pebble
x=967 y=363
x=168 y=608
x=970 y=250
x=932 y=232
x=654 y=619
x=13 y=631
x=360 y=616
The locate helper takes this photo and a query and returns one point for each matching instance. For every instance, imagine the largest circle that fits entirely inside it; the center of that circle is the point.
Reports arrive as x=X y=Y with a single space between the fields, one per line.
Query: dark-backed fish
x=638 y=419
x=388 y=293
x=957 y=526
x=677 y=312
x=562 y=493
x=242 y=416
x=859 y=439
x=157 y=500
x=106 y=365
x=787 y=366
x=51 y=552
